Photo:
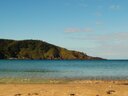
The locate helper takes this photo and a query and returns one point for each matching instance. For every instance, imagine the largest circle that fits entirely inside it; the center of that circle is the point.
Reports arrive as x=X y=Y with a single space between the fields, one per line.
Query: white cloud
x=73 y=30
x=112 y=46
x=115 y=7
x=87 y=30
x=98 y=14
x=99 y=22
x=120 y=36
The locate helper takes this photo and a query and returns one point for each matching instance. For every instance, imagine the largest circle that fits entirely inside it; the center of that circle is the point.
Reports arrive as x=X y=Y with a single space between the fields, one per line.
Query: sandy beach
x=73 y=88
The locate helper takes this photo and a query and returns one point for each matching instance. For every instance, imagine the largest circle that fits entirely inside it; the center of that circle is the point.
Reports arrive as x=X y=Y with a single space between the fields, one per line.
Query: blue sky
x=96 y=27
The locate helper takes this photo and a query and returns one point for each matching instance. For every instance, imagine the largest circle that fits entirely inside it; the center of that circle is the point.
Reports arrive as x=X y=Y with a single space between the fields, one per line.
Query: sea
x=37 y=70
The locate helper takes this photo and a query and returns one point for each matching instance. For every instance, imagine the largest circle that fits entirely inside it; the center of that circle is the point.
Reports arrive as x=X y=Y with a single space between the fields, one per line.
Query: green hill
x=36 y=49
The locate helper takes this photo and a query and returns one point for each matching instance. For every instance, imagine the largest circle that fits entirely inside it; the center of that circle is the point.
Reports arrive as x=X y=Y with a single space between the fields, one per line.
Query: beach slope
x=75 y=88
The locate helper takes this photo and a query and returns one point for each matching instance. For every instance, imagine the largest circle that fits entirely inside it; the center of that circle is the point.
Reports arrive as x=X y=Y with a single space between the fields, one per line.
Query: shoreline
x=57 y=81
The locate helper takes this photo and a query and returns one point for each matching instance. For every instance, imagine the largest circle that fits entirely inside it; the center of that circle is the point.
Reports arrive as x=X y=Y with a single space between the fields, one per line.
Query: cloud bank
x=112 y=45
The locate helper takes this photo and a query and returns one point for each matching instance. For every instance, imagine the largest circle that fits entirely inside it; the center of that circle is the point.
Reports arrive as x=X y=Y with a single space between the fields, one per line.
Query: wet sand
x=73 y=88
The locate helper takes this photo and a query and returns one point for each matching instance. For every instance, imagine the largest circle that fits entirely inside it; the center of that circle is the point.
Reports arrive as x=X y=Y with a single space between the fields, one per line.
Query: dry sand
x=74 y=88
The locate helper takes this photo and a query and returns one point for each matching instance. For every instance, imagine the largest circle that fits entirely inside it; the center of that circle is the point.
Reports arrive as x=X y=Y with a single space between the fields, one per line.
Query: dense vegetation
x=36 y=49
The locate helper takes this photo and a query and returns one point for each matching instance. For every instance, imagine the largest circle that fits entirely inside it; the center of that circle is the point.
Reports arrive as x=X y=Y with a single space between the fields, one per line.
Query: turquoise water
x=64 y=69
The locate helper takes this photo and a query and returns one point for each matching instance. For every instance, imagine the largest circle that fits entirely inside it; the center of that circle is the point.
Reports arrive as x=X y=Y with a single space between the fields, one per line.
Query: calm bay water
x=64 y=69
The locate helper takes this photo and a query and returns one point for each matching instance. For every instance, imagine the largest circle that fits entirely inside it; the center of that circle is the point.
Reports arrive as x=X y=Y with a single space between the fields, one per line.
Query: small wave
x=6 y=70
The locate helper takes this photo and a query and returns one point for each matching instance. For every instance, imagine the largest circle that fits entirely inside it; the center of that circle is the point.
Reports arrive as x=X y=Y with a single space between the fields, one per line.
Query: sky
x=96 y=27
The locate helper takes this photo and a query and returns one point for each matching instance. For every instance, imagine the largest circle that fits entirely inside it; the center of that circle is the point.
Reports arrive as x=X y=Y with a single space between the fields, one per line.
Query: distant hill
x=36 y=49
